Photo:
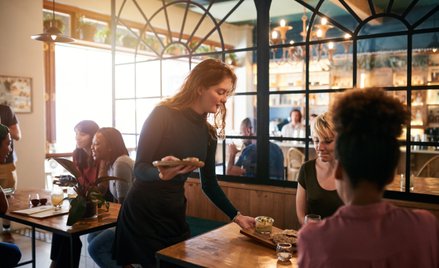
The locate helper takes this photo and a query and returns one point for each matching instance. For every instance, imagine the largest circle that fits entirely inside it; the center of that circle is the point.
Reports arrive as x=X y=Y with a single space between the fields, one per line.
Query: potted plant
x=87 y=29
x=49 y=22
x=88 y=195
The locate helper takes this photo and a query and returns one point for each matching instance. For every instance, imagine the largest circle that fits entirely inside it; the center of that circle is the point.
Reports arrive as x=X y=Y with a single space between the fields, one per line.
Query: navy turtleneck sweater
x=181 y=134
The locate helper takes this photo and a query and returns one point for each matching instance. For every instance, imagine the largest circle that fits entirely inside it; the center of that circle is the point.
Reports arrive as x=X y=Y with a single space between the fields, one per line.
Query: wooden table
x=57 y=224
x=222 y=247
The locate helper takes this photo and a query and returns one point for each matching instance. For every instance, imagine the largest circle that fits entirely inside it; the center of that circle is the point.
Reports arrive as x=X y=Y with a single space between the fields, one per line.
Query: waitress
x=153 y=215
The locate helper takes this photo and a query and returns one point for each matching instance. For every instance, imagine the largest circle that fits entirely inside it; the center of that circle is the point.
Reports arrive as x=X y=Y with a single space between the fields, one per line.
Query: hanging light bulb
x=53 y=34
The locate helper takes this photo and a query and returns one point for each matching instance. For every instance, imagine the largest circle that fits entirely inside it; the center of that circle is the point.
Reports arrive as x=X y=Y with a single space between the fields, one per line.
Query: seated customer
x=316 y=193
x=10 y=253
x=367 y=231
x=109 y=151
x=246 y=163
x=295 y=128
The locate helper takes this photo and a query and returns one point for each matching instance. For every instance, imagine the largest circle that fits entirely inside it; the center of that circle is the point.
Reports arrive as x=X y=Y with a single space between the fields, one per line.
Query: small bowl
x=264 y=224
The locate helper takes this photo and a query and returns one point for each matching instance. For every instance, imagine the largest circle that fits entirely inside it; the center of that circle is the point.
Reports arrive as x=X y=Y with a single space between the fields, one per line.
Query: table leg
x=33 y=248
x=71 y=251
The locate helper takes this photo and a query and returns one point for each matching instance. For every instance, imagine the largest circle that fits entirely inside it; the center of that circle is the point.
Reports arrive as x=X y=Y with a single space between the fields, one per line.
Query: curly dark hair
x=368 y=123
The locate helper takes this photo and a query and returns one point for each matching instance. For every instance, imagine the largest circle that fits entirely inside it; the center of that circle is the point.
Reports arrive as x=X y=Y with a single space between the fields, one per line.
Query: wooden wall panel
x=252 y=200
x=256 y=200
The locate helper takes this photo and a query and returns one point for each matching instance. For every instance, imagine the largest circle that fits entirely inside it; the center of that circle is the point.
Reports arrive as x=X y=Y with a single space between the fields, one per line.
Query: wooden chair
x=295 y=159
x=430 y=168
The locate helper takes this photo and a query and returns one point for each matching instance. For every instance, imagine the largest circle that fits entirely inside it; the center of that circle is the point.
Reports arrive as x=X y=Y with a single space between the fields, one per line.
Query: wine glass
x=312 y=218
x=283 y=251
x=34 y=199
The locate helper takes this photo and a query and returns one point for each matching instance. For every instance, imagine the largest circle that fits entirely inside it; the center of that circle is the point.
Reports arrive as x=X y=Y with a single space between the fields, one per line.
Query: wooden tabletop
x=222 y=247
x=57 y=224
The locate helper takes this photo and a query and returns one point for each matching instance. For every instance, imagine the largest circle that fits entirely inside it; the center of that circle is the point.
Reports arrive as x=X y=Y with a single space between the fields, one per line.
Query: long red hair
x=207 y=73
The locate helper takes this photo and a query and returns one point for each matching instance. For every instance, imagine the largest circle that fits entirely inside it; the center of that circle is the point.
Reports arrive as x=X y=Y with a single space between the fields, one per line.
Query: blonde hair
x=323 y=127
x=207 y=73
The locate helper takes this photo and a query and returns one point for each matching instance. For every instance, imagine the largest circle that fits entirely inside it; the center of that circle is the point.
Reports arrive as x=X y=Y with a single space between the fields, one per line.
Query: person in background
x=368 y=231
x=312 y=118
x=316 y=193
x=153 y=215
x=8 y=173
x=10 y=253
x=295 y=128
x=109 y=150
x=82 y=156
x=83 y=160
x=247 y=161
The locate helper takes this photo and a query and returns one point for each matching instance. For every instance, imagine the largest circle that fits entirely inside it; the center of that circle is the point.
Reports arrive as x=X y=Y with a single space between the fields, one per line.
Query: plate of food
x=276 y=236
x=190 y=161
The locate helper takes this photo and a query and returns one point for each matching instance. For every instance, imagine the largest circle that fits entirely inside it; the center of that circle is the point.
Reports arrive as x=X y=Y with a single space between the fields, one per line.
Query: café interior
x=113 y=61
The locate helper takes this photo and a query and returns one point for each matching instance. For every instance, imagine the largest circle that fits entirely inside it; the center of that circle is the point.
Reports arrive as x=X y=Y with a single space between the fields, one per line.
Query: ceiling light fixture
x=53 y=34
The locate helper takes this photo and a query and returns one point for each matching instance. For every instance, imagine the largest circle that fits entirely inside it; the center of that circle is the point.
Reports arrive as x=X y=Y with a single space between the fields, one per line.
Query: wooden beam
x=362 y=9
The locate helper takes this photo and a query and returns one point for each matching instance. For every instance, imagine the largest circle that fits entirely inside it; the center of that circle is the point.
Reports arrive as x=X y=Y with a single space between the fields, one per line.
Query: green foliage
x=86 y=193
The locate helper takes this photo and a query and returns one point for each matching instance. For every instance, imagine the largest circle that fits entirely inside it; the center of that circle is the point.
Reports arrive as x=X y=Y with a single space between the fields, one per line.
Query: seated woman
x=60 y=249
x=316 y=193
x=367 y=231
x=109 y=150
x=10 y=253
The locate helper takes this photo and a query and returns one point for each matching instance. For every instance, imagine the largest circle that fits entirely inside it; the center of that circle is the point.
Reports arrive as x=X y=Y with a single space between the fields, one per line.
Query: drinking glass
x=34 y=199
x=312 y=218
x=284 y=252
x=57 y=197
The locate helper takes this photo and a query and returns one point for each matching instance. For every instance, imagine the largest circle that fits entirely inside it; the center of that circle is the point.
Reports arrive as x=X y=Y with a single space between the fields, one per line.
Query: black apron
x=153 y=217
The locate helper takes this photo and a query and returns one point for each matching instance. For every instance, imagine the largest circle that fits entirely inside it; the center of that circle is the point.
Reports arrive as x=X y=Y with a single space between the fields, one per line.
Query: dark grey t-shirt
x=318 y=200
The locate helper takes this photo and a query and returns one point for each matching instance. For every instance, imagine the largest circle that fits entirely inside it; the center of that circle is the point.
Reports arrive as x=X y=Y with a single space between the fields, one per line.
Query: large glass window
x=315 y=50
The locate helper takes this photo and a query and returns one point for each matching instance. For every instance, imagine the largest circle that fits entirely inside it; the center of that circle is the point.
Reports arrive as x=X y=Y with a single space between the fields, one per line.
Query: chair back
x=430 y=168
x=295 y=159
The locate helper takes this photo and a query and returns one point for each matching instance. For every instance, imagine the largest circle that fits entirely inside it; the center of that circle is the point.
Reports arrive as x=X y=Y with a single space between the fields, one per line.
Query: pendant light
x=53 y=34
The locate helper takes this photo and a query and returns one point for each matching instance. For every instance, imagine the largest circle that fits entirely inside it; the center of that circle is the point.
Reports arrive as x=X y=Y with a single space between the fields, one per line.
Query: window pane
x=375 y=69
x=125 y=122
x=148 y=79
x=243 y=154
x=77 y=95
x=240 y=107
x=174 y=72
x=244 y=68
x=124 y=81
x=144 y=108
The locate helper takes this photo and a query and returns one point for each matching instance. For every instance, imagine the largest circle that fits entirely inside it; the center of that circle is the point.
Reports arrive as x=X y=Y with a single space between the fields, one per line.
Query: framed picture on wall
x=16 y=92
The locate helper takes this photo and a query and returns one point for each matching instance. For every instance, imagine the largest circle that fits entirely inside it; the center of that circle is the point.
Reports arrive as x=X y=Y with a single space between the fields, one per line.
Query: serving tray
x=261 y=238
x=42 y=211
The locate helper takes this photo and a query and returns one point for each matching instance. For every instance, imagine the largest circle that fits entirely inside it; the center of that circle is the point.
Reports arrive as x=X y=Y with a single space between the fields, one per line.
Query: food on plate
x=264 y=224
x=191 y=159
x=286 y=236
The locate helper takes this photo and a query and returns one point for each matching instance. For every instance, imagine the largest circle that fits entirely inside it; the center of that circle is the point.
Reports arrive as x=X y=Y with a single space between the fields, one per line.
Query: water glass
x=284 y=252
x=57 y=197
x=312 y=218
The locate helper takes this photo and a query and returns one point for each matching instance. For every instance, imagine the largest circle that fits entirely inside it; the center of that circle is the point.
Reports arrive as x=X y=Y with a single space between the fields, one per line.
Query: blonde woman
x=316 y=193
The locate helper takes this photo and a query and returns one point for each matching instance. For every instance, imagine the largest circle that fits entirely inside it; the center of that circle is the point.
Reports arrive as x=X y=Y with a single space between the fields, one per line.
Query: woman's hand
x=167 y=173
x=245 y=222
